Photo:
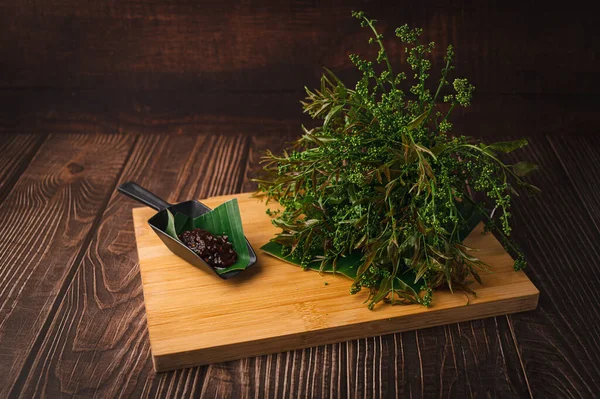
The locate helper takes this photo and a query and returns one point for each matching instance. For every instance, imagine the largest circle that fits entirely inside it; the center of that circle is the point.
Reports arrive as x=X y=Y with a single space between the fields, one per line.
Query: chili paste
x=217 y=251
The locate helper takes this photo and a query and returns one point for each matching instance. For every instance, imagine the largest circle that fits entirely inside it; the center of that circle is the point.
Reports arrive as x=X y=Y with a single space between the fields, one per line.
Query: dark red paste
x=217 y=251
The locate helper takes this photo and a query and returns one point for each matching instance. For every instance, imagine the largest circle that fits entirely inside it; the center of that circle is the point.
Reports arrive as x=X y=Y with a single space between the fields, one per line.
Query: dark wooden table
x=72 y=315
x=183 y=97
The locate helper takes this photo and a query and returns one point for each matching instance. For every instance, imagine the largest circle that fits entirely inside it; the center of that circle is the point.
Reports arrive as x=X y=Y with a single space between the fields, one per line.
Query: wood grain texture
x=98 y=342
x=259 y=144
x=159 y=111
x=558 y=343
x=273 y=306
x=16 y=151
x=579 y=158
x=45 y=221
x=234 y=45
x=270 y=114
x=472 y=359
x=169 y=66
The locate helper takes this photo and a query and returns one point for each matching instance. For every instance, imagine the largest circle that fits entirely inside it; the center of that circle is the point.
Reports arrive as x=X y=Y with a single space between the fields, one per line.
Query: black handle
x=142 y=195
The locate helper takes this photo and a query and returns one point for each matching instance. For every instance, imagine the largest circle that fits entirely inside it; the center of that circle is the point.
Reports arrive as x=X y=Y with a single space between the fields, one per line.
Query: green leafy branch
x=380 y=180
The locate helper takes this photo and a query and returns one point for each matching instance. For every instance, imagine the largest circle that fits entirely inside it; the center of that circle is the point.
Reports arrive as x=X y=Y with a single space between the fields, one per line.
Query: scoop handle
x=142 y=195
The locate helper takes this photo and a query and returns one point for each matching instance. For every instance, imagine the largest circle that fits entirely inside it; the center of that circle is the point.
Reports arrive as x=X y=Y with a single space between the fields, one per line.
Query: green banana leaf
x=346 y=266
x=182 y=223
x=170 y=229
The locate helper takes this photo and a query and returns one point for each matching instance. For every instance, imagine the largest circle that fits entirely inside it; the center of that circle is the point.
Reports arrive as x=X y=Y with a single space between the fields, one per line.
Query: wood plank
x=103 y=110
x=16 y=151
x=473 y=359
x=259 y=144
x=579 y=158
x=558 y=342
x=311 y=372
x=45 y=223
x=301 y=310
x=98 y=342
x=259 y=113
x=233 y=46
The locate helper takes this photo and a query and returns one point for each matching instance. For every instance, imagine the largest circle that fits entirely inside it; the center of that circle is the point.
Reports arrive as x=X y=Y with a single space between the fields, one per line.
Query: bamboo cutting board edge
x=311 y=316
x=309 y=339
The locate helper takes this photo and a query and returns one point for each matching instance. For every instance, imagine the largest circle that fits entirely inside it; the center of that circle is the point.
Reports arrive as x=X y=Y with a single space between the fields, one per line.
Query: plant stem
x=442 y=80
x=385 y=57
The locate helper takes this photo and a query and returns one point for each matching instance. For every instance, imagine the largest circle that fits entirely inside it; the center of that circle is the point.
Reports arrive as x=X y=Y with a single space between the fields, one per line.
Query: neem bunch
x=382 y=181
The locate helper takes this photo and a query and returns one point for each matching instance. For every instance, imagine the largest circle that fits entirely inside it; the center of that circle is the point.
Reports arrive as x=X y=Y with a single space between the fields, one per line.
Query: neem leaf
x=524 y=168
x=170 y=229
x=417 y=121
x=226 y=219
x=407 y=279
x=508 y=146
x=337 y=80
x=331 y=113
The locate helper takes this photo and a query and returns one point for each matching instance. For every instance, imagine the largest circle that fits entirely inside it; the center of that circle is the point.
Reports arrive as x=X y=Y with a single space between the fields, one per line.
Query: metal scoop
x=158 y=222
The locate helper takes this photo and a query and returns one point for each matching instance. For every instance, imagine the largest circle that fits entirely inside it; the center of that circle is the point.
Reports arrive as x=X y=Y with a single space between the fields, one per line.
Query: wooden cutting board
x=196 y=318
